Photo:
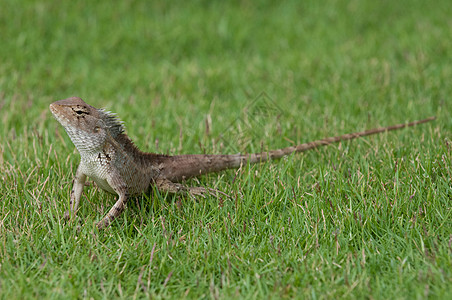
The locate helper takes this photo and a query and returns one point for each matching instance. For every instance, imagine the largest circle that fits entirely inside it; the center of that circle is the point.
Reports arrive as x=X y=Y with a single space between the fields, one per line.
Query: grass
x=369 y=218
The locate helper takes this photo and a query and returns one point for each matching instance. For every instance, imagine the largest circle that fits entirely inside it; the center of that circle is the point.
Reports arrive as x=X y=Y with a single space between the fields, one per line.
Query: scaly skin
x=117 y=166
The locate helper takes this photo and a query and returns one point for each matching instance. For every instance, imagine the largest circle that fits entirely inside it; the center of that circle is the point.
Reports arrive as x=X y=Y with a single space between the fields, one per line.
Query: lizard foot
x=202 y=192
x=68 y=215
x=164 y=185
x=103 y=224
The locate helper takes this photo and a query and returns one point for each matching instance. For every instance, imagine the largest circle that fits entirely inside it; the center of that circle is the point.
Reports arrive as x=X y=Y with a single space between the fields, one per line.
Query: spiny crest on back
x=117 y=130
x=112 y=121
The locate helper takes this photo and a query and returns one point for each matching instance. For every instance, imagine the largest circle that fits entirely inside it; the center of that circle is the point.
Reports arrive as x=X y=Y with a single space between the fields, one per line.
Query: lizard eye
x=96 y=129
x=80 y=111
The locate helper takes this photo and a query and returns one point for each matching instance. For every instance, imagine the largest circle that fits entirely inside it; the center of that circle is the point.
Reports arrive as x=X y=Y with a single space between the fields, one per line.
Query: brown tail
x=181 y=167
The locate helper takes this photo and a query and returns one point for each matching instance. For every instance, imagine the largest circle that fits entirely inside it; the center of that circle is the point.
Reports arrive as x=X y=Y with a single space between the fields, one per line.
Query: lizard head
x=87 y=126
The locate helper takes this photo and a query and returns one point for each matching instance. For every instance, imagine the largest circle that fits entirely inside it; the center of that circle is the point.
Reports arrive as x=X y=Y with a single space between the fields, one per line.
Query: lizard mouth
x=53 y=109
x=56 y=114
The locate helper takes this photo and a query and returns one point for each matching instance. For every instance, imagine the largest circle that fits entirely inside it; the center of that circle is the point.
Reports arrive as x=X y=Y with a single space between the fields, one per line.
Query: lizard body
x=110 y=158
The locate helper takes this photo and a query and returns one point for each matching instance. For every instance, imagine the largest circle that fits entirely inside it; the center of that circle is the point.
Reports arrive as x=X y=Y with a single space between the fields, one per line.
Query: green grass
x=369 y=218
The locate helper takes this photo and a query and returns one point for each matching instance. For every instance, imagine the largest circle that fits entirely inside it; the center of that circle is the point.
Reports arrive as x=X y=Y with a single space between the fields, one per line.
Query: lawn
x=369 y=218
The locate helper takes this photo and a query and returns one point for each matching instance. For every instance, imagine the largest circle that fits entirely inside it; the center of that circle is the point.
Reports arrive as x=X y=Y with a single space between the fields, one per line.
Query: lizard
x=116 y=165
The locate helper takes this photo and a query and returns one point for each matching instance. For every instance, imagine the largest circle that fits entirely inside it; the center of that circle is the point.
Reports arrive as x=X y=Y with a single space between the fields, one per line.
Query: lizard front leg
x=76 y=193
x=114 y=212
x=119 y=186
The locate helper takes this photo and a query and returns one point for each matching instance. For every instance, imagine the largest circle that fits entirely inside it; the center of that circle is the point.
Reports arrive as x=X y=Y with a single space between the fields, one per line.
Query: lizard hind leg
x=167 y=186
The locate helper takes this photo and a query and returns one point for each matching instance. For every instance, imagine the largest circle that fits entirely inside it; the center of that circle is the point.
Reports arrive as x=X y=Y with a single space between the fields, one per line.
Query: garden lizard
x=110 y=158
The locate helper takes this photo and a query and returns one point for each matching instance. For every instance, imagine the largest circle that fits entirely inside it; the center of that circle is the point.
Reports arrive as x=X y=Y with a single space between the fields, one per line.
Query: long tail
x=180 y=167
